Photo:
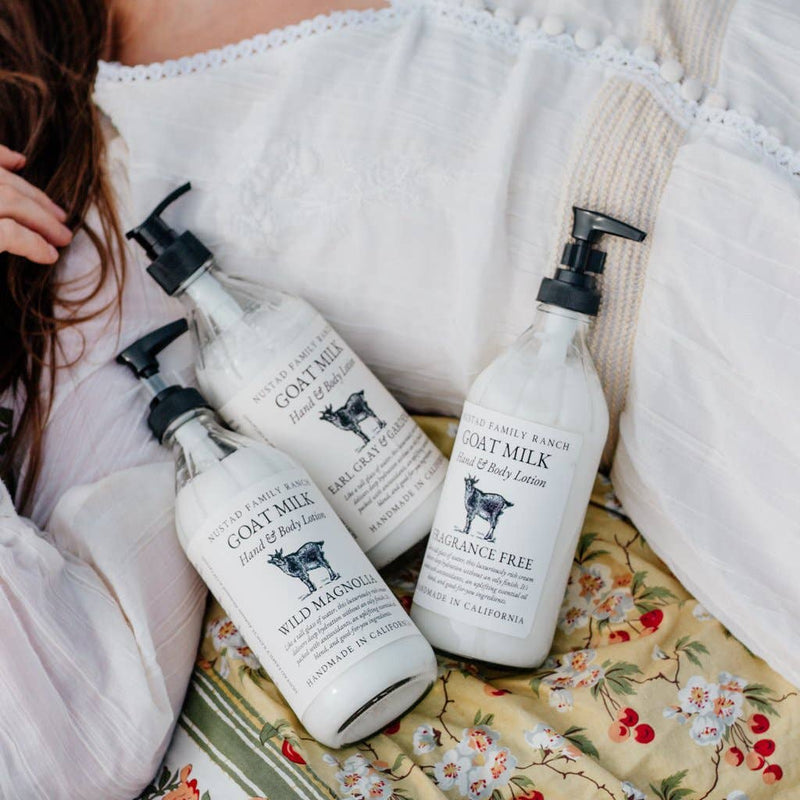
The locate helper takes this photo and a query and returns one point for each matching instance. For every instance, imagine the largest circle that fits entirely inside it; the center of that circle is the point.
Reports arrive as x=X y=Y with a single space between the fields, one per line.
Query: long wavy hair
x=49 y=51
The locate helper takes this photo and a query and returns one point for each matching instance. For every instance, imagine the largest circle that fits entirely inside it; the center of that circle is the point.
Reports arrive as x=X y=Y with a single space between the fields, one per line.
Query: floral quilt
x=645 y=696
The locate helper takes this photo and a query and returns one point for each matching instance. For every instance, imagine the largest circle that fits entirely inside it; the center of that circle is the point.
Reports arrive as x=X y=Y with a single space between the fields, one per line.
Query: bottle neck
x=558 y=328
x=191 y=434
x=210 y=297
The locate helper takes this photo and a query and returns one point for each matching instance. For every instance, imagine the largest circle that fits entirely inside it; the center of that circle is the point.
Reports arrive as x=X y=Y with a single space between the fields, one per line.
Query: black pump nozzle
x=176 y=257
x=140 y=357
x=590 y=225
x=575 y=287
x=154 y=235
x=169 y=402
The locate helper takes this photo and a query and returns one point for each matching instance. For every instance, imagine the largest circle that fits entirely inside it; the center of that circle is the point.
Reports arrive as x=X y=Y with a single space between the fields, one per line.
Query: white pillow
x=708 y=462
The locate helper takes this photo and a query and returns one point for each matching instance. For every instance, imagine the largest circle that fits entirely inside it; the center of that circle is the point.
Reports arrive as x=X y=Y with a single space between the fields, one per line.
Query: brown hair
x=49 y=51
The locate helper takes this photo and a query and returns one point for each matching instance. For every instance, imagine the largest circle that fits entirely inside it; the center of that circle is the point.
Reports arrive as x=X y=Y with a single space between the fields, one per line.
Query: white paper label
x=304 y=596
x=324 y=407
x=501 y=510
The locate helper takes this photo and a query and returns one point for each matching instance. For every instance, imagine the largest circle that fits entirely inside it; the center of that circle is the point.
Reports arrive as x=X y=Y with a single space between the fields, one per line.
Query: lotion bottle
x=276 y=370
x=528 y=446
x=330 y=633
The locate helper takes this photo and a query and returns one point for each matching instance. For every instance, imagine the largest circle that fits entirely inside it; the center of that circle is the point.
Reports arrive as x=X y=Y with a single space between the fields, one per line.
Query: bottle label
x=326 y=409
x=304 y=596
x=501 y=510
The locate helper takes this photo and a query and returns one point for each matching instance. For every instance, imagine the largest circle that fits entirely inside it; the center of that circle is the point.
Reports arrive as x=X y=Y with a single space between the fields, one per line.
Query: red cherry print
x=291 y=753
x=754 y=761
x=772 y=774
x=764 y=747
x=617 y=637
x=494 y=692
x=644 y=734
x=533 y=794
x=627 y=716
x=758 y=723
x=392 y=727
x=734 y=756
x=652 y=619
x=618 y=732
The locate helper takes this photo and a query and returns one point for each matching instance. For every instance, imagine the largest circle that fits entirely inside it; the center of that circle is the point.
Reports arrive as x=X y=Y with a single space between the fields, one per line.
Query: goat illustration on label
x=349 y=416
x=485 y=505
x=298 y=564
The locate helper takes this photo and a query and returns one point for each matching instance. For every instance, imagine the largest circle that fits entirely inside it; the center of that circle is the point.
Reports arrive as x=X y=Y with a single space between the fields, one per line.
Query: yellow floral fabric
x=645 y=696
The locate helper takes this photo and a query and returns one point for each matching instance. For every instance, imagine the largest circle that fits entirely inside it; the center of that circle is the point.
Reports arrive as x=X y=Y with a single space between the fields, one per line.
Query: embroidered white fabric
x=664 y=78
x=403 y=170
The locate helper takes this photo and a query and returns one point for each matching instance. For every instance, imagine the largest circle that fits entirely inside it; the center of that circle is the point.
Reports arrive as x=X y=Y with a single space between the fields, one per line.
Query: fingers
x=21 y=208
x=21 y=241
x=11 y=159
x=31 y=224
x=23 y=187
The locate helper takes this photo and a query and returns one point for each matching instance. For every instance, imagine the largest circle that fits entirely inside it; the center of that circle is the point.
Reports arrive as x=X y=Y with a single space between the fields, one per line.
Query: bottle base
x=479 y=644
x=386 y=706
x=373 y=693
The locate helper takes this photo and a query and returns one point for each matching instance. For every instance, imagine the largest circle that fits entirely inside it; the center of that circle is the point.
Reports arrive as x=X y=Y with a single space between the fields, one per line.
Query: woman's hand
x=31 y=224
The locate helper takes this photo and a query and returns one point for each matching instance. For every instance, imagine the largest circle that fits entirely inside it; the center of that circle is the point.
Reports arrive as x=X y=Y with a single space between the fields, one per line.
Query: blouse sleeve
x=99 y=634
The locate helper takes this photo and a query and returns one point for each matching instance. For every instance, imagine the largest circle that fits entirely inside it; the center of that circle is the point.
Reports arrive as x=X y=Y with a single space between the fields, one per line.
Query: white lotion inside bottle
x=309 y=604
x=521 y=473
x=544 y=386
x=343 y=686
x=276 y=370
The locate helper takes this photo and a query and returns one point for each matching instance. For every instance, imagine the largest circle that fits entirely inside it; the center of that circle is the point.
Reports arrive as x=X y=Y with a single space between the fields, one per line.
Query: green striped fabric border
x=226 y=728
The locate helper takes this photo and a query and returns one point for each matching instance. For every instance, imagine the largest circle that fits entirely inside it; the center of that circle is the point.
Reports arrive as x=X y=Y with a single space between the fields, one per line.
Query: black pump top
x=575 y=287
x=176 y=257
x=169 y=402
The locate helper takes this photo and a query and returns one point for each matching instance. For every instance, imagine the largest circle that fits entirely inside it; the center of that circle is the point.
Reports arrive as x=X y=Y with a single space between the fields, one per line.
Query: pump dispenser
x=575 y=287
x=276 y=370
x=169 y=402
x=175 y=257
x=313 y=609
x=526 y=453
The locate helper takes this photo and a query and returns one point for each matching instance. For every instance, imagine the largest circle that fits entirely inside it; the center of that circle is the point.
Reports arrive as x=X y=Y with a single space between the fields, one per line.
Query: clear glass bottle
x=309 y=604
x=275 y=369
x=510 y=585
x=527 y=449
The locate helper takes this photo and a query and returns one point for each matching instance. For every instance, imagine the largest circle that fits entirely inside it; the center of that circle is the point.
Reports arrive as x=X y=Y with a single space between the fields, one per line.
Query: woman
x=418 y=163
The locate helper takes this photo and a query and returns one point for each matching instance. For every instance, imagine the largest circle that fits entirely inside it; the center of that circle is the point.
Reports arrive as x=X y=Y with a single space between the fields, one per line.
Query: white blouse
x=410 y=172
